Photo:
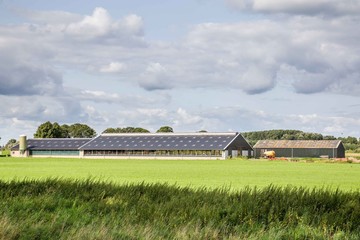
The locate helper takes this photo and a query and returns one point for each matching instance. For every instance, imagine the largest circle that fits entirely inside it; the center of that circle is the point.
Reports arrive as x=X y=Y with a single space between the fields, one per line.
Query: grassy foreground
x=95 y=210
x=232 y=174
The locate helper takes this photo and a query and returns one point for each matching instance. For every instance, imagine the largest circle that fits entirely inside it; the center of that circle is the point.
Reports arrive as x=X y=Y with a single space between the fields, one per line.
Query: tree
x=165 y=129
x=126 y=130
x=49 y=130
x=79 y=130
x=110 y=130
x=328 y=137
x=54 y=130
x=66 y=129
x=10 y=143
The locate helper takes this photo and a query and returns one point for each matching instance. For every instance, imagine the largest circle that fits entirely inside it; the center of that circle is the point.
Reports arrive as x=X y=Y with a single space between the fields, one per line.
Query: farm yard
x=157 y=120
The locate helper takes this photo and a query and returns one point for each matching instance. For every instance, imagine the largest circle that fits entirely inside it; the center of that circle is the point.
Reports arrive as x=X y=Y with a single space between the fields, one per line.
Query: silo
x=22 y=144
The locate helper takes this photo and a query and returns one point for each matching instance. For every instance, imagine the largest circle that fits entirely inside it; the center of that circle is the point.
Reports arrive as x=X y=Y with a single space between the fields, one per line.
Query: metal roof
x=161 y=141
x=54 y=143
x=297 y=144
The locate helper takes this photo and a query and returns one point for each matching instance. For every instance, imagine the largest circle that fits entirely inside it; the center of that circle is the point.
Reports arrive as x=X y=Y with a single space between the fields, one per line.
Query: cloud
x=24 y=78
x=95 y=25
x=242 y=55
x=302 y=7
x=47 y=17
x=100 y=27
x=184 y=118
x=113 y=67
x=43 y=108
x=257 y=80
x=311 y=54
x=121 y=99
x=156 y=77
x=328 y=125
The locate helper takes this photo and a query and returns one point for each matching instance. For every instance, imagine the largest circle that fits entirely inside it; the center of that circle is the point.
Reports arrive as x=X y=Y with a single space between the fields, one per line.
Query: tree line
x=78 y=130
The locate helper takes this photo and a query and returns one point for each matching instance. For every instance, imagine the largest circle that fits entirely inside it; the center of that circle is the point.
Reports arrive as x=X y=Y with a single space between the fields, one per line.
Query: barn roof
x=54 y=143
x=297 y=144
x=165 y=141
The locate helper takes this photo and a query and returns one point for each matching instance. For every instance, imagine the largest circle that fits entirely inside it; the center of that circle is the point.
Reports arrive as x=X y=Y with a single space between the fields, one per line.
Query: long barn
x=301 y=148
x=142 y=145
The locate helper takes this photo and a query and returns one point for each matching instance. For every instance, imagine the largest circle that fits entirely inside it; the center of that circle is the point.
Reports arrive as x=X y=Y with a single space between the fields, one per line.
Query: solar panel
x=56 y=143
x=160 y=142
x=170 y=141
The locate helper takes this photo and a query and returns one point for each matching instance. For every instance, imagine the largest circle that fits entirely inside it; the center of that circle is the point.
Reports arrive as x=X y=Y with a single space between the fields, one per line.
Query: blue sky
x=231 y=65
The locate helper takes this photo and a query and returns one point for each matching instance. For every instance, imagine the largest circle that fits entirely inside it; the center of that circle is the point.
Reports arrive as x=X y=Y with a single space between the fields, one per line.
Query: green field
x=232 y=174
x=165 y=199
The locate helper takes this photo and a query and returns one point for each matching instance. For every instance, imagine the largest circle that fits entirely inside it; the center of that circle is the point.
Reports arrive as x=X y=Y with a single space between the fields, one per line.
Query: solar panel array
x=55 y=143
x=159 y=142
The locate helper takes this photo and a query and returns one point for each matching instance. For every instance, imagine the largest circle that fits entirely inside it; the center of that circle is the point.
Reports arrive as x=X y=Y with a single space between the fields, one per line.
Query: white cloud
x=113 y=67
x=95 y=25
x=134 y=24
x=121 y=99
x=184 y=118
x=100 y=27
x=156 y=77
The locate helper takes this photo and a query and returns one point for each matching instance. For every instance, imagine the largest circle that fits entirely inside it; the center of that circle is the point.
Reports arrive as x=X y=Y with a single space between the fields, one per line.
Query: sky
x=215 y=65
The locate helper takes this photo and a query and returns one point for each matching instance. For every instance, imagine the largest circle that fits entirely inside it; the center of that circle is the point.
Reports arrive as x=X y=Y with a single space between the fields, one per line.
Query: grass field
x=231 y=174
x=47 y=198
x=54 y=209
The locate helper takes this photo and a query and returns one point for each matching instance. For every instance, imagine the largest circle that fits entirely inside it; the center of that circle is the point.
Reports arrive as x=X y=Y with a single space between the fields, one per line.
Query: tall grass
x=95 y=210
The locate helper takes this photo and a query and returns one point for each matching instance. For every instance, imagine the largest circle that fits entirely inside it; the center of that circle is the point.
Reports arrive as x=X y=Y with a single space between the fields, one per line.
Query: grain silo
x=22 y=144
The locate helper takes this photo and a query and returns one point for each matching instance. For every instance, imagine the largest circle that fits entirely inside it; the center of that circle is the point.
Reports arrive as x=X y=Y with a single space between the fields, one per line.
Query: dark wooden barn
x=301 y=148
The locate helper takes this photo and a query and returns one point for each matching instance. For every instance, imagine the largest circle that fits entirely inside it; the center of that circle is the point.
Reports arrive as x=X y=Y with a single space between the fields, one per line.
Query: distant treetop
x=165 y=129
x=54 y=130
x=126 y=130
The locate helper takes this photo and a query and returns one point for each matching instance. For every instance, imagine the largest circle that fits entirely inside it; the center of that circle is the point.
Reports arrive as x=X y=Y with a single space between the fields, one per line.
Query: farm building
x=142 y=145
x=48 y=147
x=301 y=148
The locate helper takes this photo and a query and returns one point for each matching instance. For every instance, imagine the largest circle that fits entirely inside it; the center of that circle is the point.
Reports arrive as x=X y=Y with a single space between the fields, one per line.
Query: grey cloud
x=241 y=55
x=156 y=77
x=321 y=55
x=155 y=83
x=24 y=108
x=28 y=79
x=257 y=80
x=305 y=7
x=43 y=108
x=311 y=83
